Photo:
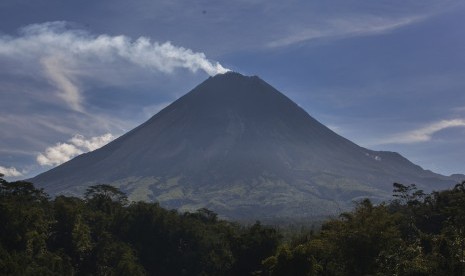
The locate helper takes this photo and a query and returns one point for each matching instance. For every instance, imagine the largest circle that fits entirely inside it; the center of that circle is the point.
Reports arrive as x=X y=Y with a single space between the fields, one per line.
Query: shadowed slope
x=238 y=146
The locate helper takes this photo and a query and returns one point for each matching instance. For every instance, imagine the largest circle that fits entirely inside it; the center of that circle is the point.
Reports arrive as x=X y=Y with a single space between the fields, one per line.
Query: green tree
x=106 y=198
x=252 y=247
x=70 y=231
x=27 y=215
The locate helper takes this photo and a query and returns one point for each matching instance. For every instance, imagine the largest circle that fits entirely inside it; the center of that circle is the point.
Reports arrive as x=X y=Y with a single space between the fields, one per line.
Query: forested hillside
x=104 y=234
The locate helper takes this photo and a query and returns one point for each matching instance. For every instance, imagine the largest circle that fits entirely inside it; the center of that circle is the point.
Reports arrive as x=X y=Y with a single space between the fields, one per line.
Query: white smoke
x=63 y=152
x=65 y=54
x=10 y=172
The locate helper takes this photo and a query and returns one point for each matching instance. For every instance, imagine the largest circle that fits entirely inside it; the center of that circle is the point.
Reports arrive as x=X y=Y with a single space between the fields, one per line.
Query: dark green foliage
x=26 y=217
x=415 y=234
x=252 y=246
x=104 y=234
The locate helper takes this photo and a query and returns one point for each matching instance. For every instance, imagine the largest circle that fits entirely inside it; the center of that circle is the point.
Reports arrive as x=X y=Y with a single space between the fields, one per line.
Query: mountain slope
x=238 y=146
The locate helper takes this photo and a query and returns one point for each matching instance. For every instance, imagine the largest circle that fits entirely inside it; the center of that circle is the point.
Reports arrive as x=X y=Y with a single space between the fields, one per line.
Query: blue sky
x=388 y=75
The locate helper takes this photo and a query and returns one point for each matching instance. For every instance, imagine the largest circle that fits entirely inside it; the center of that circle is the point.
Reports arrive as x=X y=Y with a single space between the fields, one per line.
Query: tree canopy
x=105 y=234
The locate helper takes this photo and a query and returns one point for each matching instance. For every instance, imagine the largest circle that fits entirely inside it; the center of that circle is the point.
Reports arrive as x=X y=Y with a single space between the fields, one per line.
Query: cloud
x=10 y=172
x=423 y=134
x=58 y=154
x=63 y=152
x=65 y=55
x=341 y=28
x=92 y=143
x=62 y=79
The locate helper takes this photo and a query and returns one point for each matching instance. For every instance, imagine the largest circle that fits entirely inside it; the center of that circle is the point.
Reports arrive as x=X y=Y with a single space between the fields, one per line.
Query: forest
x=104 y=234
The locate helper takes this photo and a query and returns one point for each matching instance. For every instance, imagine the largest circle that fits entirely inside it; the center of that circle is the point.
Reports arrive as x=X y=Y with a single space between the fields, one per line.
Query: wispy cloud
x=423 y=134
x=62 y=152
x=66 y=54
x=10 y=172
x=63 y=80
x=344 y=27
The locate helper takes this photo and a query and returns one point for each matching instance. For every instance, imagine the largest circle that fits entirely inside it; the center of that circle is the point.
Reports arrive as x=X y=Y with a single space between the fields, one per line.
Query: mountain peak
x=233 y=88
x=230 y=74
x=233 y=76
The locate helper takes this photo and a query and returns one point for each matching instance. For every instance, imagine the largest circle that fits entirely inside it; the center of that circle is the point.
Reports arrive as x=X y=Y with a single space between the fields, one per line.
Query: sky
x=74 y=75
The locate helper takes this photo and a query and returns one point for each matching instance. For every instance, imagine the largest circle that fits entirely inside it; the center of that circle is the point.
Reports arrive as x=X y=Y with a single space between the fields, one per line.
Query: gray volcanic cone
x=236 y=145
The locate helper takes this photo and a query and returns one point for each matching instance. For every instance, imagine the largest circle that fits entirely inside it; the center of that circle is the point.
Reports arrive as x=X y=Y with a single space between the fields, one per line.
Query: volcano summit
x=239 y=147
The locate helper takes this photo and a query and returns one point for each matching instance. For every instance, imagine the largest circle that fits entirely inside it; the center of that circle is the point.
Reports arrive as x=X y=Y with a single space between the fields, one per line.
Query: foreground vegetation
x=104 y=234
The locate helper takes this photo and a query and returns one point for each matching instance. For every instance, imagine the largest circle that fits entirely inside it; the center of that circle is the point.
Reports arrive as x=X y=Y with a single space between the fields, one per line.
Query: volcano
x=239 y=147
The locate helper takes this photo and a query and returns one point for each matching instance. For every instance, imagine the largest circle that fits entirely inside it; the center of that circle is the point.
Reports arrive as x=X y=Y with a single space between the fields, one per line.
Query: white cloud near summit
x=65 y=55
x=63 y=152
